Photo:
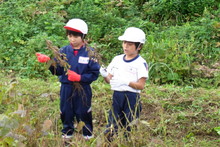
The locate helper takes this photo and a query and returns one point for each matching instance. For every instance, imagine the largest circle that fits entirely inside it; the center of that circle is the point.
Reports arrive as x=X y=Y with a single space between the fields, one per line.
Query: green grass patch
x=171 y=115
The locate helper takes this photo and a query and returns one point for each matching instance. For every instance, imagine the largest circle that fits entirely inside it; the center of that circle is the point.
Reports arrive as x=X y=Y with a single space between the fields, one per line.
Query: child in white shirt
x=127 y=74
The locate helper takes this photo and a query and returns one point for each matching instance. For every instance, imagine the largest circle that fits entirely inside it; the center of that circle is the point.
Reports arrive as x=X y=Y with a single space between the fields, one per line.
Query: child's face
x=130 y=49
x=76 y=41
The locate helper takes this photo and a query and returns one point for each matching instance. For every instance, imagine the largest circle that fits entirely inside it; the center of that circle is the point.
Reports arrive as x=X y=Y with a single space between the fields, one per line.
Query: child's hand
x=42 y=58
x=103 y=72
x=73 y=76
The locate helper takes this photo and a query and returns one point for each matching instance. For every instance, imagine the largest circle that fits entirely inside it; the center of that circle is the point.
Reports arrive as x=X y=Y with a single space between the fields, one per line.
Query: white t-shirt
x=131 y=70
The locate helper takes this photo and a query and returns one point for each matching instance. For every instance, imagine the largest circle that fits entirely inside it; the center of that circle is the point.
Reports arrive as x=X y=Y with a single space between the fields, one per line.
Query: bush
x=176 y=11
x=181 y=35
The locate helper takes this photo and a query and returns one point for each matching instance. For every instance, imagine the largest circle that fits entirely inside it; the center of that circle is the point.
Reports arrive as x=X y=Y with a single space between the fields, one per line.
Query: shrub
x=181 y=35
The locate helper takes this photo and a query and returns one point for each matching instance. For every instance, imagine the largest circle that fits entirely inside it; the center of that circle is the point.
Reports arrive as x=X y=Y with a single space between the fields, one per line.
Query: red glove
x=42 y=58
x=73 y=76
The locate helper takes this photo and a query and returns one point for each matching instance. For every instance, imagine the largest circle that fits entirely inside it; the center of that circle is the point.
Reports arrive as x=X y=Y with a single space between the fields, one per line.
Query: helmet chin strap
x=138 y=45
x=84 y=36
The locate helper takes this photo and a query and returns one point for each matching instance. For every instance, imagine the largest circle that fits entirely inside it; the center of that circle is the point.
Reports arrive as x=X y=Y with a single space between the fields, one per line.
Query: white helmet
x=133 y=34
x=77 y=25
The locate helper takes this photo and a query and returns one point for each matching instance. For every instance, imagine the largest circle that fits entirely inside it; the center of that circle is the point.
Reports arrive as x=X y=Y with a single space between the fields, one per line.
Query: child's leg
x=66 y=108
x=115 y=114
x=131 y=109
x=87 y=119
x=113 y=123
x=83 y=109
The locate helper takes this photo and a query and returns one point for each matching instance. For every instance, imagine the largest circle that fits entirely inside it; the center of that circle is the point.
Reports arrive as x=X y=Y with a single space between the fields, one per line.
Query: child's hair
x=69 y=32
x=137 y=45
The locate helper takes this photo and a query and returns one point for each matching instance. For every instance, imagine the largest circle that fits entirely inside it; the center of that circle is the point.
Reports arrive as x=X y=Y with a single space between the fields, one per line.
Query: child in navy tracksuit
x=75 y=102
x=126 y=74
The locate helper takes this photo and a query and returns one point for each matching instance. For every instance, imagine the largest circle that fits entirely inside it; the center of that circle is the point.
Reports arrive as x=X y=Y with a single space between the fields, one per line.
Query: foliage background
x=182 y=36
x=180 y=100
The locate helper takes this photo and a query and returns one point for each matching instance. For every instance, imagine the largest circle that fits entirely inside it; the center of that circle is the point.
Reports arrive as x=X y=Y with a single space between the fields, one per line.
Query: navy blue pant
x=125 y=108
x=76 y=105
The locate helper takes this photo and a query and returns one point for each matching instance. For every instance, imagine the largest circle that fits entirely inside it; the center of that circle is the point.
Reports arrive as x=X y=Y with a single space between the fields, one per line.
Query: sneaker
x=64 y=136
x=88 y=137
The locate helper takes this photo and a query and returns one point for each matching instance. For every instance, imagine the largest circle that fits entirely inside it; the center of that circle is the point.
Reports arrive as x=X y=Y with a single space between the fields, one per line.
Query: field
x=171 y=115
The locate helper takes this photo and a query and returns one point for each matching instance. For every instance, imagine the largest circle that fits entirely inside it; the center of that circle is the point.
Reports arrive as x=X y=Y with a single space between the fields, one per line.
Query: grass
x=171 y=115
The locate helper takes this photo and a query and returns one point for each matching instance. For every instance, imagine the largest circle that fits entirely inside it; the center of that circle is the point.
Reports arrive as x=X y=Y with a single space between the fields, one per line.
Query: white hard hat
x=133 y=34
x=77 y=25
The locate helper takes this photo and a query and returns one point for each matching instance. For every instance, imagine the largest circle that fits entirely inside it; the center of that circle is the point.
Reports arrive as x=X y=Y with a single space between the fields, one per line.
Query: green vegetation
x=171 y=115
x=182 y=36
x=180 y=101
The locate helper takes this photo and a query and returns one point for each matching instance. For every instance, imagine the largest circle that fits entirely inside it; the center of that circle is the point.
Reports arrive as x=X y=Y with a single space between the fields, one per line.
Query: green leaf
x=217 y=129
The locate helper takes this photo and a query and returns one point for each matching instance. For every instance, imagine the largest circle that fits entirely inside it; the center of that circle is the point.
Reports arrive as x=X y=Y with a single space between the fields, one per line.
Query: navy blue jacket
x=81 y=64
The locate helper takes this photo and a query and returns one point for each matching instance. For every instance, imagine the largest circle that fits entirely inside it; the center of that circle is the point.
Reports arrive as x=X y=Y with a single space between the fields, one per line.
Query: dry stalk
x=93 y=54
x=61 y=60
